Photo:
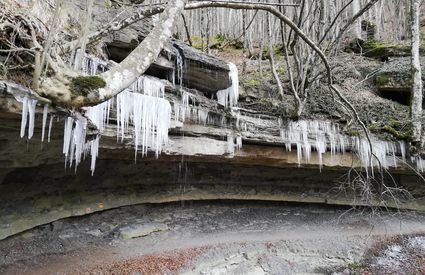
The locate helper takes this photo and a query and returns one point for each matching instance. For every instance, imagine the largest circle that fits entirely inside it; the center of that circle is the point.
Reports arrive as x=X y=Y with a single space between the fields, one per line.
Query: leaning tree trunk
x=416 y=105
x=123 y=74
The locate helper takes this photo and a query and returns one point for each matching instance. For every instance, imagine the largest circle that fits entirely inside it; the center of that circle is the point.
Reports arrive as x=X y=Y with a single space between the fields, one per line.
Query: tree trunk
x=416 y=105
x=124 y=74
x=271 y=57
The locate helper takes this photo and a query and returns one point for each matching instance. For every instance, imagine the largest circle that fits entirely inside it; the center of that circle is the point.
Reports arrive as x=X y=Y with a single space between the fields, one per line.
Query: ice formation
x=142 y=106
x=183 y=111
x=150 y=117
x=75 y=145
x=43 y=127
x=28 y=116
x=229 y=97
x=90 y=65
x=100 y=114
x=142 y=111
x=148 y=85
x=323 y=136
x=179 y=69
x=238 y=142
x=50 y=127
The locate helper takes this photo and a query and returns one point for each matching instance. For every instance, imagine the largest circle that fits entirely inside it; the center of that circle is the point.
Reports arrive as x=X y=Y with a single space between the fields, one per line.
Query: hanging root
x=21 y=36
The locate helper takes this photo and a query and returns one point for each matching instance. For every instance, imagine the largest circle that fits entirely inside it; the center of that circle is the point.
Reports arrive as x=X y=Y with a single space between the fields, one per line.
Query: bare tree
x=123 y=74
x=416 y=105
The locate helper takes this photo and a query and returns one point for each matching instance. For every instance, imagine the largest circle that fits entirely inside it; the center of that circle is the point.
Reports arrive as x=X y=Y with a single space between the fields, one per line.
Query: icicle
x=28 y=116
x=238 y=142
x=151 y=119
x=403 y=150
x=179 y=68
x=100 y=114
x=31 y=112
x=229 y=97
x=202 y=116
x=75 y=146
x=151 y=86
x=43 y=127
x=299 y=153
x=308 y=135
x=90 y=64
x=24 y=116
x=94 y=149
x=50 y=127
x=67 y=134
x=230 y=144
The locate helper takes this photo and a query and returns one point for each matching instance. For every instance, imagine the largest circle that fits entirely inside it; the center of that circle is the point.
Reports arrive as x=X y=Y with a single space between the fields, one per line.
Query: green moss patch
x=83 y=85
x=382 y=80
x=377 y=49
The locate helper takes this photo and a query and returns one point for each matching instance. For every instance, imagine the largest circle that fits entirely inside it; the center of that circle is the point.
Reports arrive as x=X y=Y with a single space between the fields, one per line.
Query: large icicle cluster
x=325 y=136
x=229 y=97
x=183 y=111
x=150 y=117
x=142 y=106
x=75 y=146
x=29 y=106
x=148 y=85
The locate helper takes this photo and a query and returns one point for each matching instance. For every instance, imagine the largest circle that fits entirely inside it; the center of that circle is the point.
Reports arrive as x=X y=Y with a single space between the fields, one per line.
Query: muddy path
x=215 y=237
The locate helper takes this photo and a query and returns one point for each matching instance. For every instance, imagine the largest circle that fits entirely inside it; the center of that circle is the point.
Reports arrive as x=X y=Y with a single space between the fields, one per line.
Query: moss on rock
x=399 y=130
x=83 y=85
x=382 y=80
x=377 y=49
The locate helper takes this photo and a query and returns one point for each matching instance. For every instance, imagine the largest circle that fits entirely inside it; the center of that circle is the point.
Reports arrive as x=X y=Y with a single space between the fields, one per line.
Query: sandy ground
x=220 y=237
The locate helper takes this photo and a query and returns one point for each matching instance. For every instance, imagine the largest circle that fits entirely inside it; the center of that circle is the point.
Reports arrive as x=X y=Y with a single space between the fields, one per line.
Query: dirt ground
x=215 y=237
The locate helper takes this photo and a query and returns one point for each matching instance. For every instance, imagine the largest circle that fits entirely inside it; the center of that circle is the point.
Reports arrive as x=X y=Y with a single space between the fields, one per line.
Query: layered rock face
x=179 y=133
x=231 y=153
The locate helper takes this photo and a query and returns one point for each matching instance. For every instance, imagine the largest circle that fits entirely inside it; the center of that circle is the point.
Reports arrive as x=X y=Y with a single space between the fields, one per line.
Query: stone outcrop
x=197 y=164
x=394 y=79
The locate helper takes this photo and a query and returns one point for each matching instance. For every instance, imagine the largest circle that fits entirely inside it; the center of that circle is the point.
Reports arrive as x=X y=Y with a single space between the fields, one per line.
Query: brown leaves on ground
x=152 y=264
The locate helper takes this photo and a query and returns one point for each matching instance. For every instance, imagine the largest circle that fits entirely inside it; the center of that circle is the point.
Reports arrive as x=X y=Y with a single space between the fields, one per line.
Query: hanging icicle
x=150 y=116
x=325 y=137
x=43 y=127
x=28 y=116
x=229 y=97
x=75 y=145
